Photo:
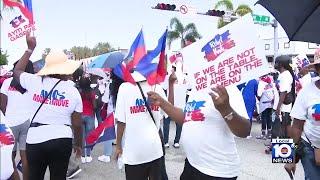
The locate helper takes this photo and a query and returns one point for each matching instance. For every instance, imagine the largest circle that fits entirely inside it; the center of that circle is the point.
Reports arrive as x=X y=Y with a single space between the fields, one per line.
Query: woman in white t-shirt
x=210 y=122
x=49 y=139
x=286 y=88
x=15 y=106
x=306 y=128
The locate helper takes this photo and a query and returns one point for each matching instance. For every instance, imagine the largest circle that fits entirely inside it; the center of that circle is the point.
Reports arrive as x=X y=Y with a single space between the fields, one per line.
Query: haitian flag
x=136 y=53
x=26 y=10
x=155 y=73
x=104 y=132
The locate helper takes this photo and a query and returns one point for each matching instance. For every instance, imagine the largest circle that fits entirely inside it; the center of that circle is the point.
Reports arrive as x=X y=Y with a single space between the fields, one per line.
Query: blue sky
x=62 y=24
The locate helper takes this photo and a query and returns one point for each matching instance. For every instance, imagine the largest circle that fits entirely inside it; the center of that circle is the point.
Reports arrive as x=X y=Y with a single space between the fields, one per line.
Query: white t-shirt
x=180 y=91
x=142 y=143
x=18 y=107
x=285 y=83
x=305 y=80
x=207 y=140
x=6 y=147
x=57 y=109
x=267 y=93
x=307 y=108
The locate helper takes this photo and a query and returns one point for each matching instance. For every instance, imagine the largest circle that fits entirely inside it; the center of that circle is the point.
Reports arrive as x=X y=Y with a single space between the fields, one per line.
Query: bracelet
x=29 y=51
x=229 y=117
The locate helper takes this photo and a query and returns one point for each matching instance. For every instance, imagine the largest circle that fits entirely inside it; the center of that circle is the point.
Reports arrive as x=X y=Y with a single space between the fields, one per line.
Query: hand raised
x=31 y=41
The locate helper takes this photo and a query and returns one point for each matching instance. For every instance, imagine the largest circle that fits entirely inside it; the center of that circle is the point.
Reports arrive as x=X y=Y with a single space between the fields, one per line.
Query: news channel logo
x=282 y=150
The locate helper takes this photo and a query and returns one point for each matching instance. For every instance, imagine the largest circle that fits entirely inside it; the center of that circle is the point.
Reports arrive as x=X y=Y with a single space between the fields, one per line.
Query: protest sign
x=230 y=56
x=22 y=21
x=20 y=26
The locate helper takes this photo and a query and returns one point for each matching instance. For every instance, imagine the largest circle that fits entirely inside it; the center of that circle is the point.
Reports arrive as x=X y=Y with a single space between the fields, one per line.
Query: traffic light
x=214 y=12
x=163 y=6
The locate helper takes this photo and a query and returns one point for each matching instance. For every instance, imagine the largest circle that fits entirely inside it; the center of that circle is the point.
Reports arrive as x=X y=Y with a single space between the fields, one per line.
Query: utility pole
x=275 y=40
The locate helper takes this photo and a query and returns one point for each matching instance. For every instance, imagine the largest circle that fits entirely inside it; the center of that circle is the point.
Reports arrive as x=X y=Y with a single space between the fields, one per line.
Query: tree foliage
x=3 y=58
x=184 y=33
x=241 y=10
x=80 y=52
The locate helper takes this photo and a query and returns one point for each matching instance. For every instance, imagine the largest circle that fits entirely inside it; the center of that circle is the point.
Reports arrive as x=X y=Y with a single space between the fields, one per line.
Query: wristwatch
x=229 y=117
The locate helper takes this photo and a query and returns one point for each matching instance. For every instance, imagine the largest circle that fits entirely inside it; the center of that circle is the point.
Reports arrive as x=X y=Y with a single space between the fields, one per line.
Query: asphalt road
x=256 y=165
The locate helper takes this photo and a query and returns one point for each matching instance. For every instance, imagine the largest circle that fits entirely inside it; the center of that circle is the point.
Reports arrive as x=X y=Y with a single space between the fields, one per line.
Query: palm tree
x=184 y=33
x=241 y=10
x=102 y=48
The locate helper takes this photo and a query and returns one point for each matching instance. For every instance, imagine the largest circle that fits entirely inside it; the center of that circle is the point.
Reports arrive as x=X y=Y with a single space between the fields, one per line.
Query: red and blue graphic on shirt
x=140 y=106
x=219 y=44
x=6 y=138
x=316 y=114
x=193 y=111
x=55 y=99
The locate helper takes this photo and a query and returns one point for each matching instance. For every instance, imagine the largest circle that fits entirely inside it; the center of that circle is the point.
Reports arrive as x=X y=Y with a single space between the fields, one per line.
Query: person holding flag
x=141 y=149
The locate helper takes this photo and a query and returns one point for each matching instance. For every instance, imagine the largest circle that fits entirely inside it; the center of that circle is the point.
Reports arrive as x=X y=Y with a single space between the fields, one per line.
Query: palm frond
x=227 y=4
x=243 y=9
x=177 y=24
x=172 y=36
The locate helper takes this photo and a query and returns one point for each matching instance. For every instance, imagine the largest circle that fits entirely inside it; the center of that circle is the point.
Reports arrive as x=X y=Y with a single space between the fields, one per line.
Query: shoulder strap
x=44 y=100
x=146 y=102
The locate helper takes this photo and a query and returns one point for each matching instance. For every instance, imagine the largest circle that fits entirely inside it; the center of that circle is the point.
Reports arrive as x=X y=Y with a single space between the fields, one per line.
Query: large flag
x=155 y=73
x=25 y=9
x=104 y=132
x=136 y=53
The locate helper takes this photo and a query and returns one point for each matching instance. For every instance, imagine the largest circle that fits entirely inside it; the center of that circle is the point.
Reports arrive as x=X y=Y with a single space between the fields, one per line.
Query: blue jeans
x=107 y=147
x=88 y=126
x=166 y=128
x=311 y=170
x=98 y=115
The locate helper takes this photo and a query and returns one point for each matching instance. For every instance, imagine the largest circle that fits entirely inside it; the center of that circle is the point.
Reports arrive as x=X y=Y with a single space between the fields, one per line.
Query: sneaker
x=73 y=173
x=176 y=145
x=249 y=137
x=83 y=160
x=104 y=158
x=19 y=166
x=88 y=159
x=166 y=145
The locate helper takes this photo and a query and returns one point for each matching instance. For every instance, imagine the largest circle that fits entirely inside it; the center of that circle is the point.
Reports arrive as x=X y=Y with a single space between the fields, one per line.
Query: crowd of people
x=48 y=115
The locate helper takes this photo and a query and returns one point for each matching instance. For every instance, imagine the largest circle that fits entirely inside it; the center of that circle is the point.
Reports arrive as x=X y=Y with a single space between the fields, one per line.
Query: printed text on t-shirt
x=141 y=107
x=55 y=99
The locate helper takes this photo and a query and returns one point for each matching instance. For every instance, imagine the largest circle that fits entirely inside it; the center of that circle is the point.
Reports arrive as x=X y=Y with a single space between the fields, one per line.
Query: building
x=293 y=48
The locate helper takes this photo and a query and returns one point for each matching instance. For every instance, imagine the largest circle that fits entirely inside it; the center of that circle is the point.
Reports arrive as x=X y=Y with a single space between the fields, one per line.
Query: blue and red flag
x=6 y=138
x=104 y=132
x=155 y=73
x=137 y=51
x=25 y=9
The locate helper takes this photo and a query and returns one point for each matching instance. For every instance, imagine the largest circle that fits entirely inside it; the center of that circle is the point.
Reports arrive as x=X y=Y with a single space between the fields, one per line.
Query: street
x=256 y=165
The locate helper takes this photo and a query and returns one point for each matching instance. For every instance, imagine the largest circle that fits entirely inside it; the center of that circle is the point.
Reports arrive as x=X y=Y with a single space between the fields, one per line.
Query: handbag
x=32 y=124
x=152 y=117
x=289 y=98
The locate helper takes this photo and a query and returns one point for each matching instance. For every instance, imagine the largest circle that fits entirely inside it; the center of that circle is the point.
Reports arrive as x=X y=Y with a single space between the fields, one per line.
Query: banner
x=231 y=56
